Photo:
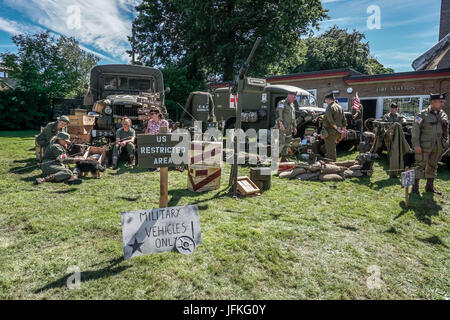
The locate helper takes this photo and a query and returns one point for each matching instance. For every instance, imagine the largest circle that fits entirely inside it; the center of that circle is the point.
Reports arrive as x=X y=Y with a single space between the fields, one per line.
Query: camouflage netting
x=332 y=171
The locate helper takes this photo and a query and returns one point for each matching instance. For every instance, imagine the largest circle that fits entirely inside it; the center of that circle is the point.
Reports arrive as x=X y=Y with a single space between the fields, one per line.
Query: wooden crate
x=202 y=178
x=262 y=177
x=286 y=166
x=206 y=153
x=81 y=120
x=96 y=150
x=246 y=186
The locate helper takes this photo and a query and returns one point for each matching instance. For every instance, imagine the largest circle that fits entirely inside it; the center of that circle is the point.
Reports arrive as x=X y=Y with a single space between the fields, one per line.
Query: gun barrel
x=245 y=67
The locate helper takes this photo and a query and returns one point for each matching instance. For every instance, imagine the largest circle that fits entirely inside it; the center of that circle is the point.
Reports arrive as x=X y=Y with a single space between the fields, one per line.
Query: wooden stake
x=163 y=181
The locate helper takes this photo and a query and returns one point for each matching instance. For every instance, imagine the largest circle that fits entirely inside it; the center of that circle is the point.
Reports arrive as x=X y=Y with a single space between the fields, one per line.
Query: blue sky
x=407 y=28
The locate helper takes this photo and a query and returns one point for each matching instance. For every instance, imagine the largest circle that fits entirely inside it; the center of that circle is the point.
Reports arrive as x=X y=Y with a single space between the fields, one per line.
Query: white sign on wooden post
x=157 y=230
x=408 y=178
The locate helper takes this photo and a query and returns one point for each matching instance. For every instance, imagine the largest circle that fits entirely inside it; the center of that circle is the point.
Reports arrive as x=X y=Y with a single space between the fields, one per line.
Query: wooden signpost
x=407 y=180
x=158 y=151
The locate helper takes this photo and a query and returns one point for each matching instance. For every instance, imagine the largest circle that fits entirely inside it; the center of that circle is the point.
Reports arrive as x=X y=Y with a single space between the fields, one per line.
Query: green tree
x=215 y=36
x=337 y=48
x=50 y=66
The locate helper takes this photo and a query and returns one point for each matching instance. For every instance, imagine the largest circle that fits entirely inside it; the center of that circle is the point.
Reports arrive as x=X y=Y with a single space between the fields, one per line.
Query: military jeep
x=119 y=90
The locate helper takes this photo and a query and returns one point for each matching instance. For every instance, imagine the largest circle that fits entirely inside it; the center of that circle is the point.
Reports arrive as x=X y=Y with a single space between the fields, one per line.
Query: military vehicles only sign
x=157 y=230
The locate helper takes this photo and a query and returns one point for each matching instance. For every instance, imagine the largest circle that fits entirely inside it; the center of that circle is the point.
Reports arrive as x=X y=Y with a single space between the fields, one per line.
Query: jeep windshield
x=121 y=83
x=306 y=101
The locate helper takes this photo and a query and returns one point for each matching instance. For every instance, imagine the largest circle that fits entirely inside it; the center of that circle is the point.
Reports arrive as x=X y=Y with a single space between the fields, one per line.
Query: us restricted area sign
x=163 y=150
x=156 y=230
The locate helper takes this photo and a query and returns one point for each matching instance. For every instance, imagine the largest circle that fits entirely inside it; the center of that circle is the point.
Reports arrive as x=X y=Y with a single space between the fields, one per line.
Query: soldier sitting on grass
x=55 y=157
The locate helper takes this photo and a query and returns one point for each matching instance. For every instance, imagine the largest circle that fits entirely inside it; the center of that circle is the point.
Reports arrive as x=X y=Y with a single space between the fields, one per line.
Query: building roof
x=9 y=83
x=334 y=73
x=399 y=76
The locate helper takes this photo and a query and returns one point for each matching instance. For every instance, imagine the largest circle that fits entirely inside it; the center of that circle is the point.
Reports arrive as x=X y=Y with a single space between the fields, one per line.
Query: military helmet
x=63 y=136
x=63 y=118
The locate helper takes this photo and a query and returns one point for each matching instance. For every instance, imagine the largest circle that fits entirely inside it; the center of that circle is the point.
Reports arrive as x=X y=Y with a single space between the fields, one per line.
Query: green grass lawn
x=299 y=240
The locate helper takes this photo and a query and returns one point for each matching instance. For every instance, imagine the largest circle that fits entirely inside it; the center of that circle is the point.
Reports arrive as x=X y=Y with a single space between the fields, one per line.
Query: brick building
x=409 y=89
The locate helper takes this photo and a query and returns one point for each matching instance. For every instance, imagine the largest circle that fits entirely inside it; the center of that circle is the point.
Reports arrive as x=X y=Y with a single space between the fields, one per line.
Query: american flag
x=356 y=102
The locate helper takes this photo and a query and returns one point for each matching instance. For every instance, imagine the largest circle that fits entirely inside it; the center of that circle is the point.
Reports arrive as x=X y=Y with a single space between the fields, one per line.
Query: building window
x=408 y=106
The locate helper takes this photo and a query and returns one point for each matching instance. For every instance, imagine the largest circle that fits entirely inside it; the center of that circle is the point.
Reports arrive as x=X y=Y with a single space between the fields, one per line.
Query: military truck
x=259 y=109
x=120 y=90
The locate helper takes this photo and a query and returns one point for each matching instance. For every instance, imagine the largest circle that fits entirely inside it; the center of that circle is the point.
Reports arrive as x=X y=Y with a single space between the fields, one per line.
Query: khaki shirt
x=124 y=135
x=427 y=130
x=48 y=133
x=57 y=153
x=286 y=114
x=334 y=115
x=389 y=117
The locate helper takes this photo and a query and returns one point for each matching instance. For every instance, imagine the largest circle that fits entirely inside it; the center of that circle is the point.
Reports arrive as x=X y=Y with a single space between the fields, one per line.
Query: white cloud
x=13 y=27
x=104 y=24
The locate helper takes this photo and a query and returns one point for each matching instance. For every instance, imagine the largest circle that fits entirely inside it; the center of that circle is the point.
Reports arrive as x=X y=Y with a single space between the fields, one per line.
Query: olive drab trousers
x=427 y=162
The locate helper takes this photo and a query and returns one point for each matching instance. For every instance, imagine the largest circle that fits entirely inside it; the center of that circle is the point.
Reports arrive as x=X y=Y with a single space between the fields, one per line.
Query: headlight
x=108 y=110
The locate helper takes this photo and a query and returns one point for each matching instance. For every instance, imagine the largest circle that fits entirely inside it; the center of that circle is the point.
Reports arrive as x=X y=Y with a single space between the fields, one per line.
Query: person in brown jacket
x=429 y=135
x=333 y=126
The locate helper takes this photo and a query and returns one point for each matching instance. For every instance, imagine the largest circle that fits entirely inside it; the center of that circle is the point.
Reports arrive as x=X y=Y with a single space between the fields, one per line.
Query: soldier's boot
x=74 y=180
x=114 y=163
x=49 y=178
x=430 y=187
x=132 y=161
x=415 y=188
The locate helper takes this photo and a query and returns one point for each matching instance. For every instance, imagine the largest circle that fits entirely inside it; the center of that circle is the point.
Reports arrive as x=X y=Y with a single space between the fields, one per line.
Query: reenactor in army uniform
x=429 y=137
x=125 y=137
x=333 y=126
x=55 y=157
x=51 y=130
x=393 y=115
x=286 y=123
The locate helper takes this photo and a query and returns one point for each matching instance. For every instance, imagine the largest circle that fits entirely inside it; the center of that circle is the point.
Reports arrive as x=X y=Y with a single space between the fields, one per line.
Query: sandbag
x=349 y=173
x=308 y=176
x=331 y=177
x=315 y=167
x=355 y=167
x=285 y=174
x=329 y=168
x=296 y=172
x=346 y=164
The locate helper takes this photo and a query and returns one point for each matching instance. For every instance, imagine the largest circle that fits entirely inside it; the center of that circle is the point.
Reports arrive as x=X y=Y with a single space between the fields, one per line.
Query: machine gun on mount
x=238 y=88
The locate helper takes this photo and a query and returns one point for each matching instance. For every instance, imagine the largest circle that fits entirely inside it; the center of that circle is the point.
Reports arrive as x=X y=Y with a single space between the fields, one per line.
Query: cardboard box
x=202 y=178
x=82 y=138
x=81 y=120
x=79 y=130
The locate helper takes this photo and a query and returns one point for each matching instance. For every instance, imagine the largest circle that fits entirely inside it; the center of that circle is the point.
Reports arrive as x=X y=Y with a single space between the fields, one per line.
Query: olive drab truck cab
x=120 y=90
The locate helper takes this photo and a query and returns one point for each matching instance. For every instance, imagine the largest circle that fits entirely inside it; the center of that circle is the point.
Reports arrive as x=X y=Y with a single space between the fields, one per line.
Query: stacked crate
x=80 y=126
x=205 y=164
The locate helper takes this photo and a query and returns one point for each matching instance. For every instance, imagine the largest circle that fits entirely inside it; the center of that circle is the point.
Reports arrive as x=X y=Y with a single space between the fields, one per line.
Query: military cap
x=394 y=105
x=438 y=96
x=330 y=96
x=63 y=118
x=63 y=136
